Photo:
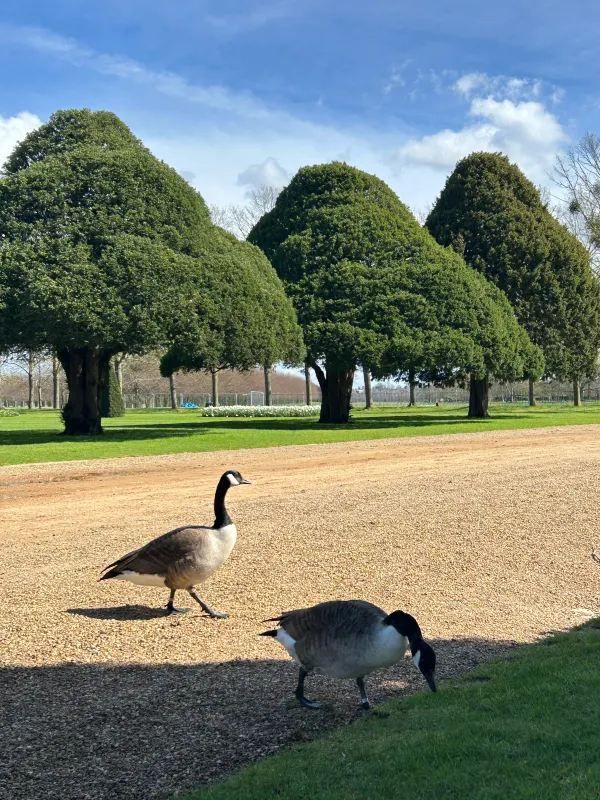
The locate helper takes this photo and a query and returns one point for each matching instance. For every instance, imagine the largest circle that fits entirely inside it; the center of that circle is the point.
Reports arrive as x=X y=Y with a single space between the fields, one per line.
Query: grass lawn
x=525 y=727
x=34 y=435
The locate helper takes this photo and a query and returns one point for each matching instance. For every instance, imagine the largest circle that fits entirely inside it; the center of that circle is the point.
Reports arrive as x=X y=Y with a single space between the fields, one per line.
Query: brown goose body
x=350 y=639
x=178 y=559
x=341 y=638
x=183 y=557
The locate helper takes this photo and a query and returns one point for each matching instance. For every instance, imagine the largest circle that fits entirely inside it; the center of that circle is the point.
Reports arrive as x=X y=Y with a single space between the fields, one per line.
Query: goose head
x=423 y=654
x=234 y=477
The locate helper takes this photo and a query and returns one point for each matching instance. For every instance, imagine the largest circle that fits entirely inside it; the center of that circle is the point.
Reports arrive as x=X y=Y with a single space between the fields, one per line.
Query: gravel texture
x=485 y=538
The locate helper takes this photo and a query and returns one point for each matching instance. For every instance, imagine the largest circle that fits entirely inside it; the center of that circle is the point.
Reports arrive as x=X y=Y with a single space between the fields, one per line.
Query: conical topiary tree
x=100 y=251
x=493 y=216
x=372 y=287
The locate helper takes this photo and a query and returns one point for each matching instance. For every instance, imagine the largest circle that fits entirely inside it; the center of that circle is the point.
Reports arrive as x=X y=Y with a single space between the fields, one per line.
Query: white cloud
x=526 y=131
x=13 y=129
x=467 y=84
x=217 y=98
x=268 y=173
x=222 y=137
x=500 y=86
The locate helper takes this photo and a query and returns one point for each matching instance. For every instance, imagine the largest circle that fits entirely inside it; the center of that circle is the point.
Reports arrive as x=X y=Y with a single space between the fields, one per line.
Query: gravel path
x=485 y=538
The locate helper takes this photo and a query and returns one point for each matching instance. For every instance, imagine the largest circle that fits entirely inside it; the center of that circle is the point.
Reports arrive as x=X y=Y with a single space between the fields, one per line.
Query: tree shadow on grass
x=223 y=425
x=136 y=732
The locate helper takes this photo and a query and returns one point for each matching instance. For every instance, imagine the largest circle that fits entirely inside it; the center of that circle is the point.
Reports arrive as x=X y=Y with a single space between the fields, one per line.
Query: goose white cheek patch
x=233 y=480
x=416 y=658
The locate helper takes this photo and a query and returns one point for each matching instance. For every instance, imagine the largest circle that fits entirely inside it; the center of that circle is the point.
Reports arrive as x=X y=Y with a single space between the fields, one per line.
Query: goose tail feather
x=269 y=633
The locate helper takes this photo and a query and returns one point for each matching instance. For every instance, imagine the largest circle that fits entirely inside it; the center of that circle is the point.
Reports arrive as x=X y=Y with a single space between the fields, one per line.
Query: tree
x=577 y=174
x=493 y=216
x=242 y=319
x=371 y=287
x=240 y=219
x=100 y=253
x=111 y=399
x=29 y=361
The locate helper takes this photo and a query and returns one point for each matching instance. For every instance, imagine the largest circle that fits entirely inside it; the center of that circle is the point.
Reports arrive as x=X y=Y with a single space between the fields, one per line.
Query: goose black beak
x=430 y=681
x=245 y=481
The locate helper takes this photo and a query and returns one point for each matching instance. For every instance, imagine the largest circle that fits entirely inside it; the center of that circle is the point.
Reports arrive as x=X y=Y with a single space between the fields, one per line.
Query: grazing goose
x=350 y=639
x=185 y=556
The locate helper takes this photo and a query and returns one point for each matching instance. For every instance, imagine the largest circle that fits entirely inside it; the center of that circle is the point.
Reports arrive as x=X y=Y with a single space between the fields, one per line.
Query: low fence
x=203 y=400
x=424 y=395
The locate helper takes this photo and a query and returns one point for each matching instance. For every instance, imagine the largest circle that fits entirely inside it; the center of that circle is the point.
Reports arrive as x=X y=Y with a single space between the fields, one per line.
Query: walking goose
x=185 y=556
x=350 y=639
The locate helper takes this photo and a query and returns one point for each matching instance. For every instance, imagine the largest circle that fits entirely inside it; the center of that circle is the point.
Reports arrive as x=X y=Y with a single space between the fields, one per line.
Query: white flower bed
x=259 y=411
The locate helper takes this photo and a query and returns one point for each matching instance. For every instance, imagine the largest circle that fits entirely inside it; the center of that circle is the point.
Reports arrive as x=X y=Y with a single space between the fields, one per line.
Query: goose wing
x=155 y=557
x=333 y=619
x=329 y=636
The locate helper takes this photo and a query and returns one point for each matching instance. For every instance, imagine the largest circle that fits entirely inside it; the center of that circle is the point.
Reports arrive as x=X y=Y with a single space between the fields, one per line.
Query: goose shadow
x=123 y=613
x=147 y=732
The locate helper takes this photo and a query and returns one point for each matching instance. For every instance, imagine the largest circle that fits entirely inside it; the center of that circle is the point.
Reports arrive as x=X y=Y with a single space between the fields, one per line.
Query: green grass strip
x=34 y=436
x=523 y=728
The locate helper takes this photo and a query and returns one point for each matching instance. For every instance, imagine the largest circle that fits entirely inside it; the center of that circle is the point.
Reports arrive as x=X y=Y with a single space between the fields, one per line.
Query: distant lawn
x=525 y=728
x=33 y=436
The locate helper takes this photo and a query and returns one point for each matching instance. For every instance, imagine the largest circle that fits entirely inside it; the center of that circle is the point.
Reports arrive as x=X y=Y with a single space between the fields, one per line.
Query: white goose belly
x=355 y=658
x=353 y=665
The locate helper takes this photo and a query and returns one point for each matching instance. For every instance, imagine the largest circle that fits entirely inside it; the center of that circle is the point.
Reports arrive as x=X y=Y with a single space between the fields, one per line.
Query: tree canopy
x=372 y=287
x=494 y=217
x=243 y=317
x=106 y=249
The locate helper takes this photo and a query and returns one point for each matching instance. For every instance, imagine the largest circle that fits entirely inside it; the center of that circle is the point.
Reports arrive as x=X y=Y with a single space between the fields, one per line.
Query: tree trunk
x=531 y=393
x=576 y=392
x=173 y=392
x=268 y=392
x=55 y=382
x=307 y=385
x=411 y=389
x=336 y=391
x=478 y=398
x=85 y=370
x=215 y=387
x=39 y=391
x=118 y=362
x=368 y=399
x=30 y=380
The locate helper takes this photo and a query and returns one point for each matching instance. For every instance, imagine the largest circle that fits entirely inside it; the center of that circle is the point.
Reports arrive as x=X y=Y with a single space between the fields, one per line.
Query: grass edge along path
x=34 y=436
x=526 y=726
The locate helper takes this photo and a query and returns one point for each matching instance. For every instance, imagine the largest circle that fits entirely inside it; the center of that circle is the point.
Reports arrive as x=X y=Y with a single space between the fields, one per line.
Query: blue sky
x=234 y=93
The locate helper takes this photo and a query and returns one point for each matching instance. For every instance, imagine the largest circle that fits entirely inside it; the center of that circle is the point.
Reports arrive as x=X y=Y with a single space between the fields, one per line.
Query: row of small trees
x=107 y=250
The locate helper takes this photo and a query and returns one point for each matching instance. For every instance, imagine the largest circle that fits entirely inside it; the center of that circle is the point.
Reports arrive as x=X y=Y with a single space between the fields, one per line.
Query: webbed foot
x=307 y=703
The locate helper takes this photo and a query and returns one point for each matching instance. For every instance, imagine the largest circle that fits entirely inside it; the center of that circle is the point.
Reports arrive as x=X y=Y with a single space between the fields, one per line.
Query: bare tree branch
x=577 y=174
x=240 y=219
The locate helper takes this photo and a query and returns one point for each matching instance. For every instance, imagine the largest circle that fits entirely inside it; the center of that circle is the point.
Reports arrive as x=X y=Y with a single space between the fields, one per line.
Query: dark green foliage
x=100 y=250
x=494 y=217
x=111 y=400
x=243 y=317
x=372 y=287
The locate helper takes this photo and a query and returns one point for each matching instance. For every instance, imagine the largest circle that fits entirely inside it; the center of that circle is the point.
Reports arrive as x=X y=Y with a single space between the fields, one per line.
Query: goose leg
x=360 y=682
x=171 y=608
x=212 y=612
x=304 y=701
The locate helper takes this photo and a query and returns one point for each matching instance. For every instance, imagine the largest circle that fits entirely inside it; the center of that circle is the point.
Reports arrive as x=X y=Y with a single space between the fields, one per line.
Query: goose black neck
x=222 y=518
x=415 y=643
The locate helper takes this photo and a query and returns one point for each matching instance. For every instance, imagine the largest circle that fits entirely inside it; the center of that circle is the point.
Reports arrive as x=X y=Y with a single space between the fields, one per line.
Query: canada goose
x=350 y=639
x=185 y=556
